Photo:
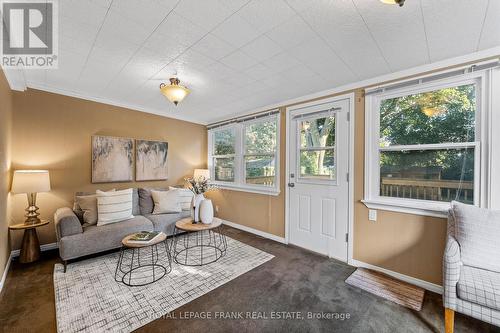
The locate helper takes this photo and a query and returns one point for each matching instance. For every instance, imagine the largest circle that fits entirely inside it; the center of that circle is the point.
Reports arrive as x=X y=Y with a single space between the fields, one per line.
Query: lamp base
x=32 y=210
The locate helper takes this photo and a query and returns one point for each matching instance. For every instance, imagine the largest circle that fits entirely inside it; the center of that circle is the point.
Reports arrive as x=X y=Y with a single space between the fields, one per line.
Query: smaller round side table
x=198 y=244
x=30 y=248
x=136 y=268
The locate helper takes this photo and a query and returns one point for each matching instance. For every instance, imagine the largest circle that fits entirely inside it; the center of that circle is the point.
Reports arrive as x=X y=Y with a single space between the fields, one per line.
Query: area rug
x=89 y=300
x=391 y=289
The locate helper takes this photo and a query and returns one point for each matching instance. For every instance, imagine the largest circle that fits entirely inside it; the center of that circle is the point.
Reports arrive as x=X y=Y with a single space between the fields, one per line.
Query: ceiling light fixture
x=174 y=91
x=394 y=2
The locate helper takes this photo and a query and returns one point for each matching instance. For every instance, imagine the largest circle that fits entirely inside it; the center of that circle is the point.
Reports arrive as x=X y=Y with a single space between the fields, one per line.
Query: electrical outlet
x=372 y=215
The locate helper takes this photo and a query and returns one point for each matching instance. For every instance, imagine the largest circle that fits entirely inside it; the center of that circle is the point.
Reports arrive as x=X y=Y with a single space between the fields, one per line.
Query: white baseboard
x=420 y=283
x=5 y=272
x=44 y=247
x=255 y=231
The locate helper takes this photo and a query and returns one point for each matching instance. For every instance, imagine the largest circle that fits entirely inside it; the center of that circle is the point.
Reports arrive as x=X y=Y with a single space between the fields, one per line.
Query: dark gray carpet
x=295 y=280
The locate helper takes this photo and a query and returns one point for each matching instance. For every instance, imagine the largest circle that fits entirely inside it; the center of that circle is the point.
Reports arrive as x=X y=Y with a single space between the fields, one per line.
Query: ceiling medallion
x=174 y=91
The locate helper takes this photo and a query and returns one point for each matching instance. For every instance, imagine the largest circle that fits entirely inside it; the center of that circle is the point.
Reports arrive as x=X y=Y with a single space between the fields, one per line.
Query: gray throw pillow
x=477 y=230
x=88 y=205
x=146 y=203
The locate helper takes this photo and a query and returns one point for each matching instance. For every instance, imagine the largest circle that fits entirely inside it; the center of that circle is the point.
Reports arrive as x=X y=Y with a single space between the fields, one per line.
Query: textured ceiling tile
x=280 y=62
x=154 y=10
x=236 y=31
x=181 y=30
x=261 y=48
x=264 y=15
x=453 y=26
x=84 y=11
x=238 y=61
x=206 y=13
x=391 y=27
x=291 y=33
x=213 y=47
x=490 y=36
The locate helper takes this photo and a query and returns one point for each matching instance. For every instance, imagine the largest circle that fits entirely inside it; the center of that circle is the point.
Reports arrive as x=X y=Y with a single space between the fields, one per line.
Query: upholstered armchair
x=471 y=290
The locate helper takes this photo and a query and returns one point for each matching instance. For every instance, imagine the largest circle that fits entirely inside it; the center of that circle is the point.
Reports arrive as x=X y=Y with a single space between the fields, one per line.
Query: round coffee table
x=142 y=264
x=198 y=244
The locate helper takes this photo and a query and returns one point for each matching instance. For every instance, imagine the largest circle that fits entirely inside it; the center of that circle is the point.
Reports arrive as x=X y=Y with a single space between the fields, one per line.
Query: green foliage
x=441 y=116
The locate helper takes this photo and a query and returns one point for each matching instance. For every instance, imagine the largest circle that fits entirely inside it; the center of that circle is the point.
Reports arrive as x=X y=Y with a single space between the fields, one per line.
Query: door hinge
x=349 y=116
x=347 y=177
x=347 y=238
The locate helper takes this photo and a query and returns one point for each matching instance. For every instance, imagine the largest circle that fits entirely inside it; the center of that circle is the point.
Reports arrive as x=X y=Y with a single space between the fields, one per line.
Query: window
x=317 y=148
x=423 y=146
x=244 y=155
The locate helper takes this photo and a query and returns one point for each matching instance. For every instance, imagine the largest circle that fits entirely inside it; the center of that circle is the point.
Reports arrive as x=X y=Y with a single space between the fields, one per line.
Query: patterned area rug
x=89 y=300
x=387 y=287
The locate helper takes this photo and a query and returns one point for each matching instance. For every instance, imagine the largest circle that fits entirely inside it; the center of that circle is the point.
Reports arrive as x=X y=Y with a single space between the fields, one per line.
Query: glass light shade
x=174 y=92
x=30 y=181
x=393 y=2
x=198 y=173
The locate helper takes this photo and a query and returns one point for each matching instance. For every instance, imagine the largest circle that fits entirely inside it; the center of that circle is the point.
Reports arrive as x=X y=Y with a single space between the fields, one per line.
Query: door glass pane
x=319 y=132
x=260 y=137
x=439 y=116
x=318 y=164
x=260 y=169
x=439 y=175
x=224 y=142
x=224 y=169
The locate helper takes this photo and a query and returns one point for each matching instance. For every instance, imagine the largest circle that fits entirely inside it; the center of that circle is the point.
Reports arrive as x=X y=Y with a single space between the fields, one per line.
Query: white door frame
x=350 y=228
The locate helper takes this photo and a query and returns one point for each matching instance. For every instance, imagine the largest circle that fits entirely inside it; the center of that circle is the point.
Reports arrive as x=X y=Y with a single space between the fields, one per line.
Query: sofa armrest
x=67 y=223
x=451 y=272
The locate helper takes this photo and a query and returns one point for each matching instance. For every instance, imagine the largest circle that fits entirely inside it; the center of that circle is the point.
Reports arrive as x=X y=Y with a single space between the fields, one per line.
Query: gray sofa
x=76 y=239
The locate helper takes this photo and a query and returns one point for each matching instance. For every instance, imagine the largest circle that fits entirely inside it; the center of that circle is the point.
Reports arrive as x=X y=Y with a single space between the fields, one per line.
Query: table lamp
x=201 y=173
x=31 y=182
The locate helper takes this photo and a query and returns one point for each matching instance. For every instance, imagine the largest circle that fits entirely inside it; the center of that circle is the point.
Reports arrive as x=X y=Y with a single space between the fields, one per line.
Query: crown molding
x=135 y=107
x=15 y=78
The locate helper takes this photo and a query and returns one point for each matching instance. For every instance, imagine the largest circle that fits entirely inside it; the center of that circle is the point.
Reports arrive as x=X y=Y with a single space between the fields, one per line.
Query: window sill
x=415 y=207
x=270 y=191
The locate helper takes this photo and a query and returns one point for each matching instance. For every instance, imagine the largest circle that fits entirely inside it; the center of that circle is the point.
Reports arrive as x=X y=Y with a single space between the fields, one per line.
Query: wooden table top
x=126 y=242
x=21 y=226
x=186 y=224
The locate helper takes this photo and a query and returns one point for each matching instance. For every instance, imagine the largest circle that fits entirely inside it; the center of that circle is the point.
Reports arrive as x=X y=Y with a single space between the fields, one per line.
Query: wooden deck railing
x=262 y=180
x=427 y=189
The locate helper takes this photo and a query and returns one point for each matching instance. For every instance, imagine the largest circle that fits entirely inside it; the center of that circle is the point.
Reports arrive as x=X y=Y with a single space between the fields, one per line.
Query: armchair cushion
x=479 y=286
x=477 y=231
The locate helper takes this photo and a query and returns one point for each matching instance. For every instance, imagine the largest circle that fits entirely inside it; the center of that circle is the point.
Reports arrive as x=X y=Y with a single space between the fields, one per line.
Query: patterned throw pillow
x=185 y=197
x=166 y=201
x=114 y=206
x=477 y=230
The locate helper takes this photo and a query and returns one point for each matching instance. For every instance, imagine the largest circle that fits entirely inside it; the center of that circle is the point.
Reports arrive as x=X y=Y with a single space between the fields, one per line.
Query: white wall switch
x=372 y=215
x=216 y=208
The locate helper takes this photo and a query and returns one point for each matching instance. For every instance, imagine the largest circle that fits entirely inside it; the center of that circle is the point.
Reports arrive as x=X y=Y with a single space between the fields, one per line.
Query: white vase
x=206 y=211
x=195 y=207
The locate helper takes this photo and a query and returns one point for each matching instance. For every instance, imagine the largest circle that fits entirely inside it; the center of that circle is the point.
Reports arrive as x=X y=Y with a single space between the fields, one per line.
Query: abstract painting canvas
x=112 y=159
x=151 y=160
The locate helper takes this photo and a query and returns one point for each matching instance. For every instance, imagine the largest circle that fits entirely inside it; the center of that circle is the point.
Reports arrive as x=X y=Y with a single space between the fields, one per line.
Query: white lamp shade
x=198 y=173
x=30 y=181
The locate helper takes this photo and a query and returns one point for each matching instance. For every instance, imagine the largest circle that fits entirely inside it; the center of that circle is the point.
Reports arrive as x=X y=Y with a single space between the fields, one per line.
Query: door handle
x=291 y=184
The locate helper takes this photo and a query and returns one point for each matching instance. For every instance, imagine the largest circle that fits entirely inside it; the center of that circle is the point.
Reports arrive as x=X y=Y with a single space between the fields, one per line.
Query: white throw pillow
x=166 y=201
x=477 y=230
x=185 y=197
x=114 y=206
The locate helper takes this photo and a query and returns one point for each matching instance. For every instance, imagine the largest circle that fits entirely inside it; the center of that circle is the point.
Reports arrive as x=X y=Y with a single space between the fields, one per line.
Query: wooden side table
x=30 y=248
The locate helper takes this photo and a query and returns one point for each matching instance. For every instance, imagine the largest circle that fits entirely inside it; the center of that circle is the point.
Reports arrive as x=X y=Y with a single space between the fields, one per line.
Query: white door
x=318 y=178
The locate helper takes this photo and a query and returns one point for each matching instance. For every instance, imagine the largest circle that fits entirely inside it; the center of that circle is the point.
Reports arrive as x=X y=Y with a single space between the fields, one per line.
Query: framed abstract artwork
x=112 y=159
x=151 y=160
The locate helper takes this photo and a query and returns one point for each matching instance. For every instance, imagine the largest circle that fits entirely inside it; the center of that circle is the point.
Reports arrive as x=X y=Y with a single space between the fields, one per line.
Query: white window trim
x=372 y=198
x=239 y=183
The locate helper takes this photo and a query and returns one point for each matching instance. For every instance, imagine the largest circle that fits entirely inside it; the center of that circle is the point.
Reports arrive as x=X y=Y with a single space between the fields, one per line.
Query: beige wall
x=404 y=243
x=5 y=162
x=54 y=132
x=408 y=244
x=262 y=212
